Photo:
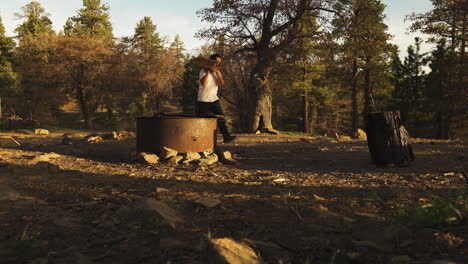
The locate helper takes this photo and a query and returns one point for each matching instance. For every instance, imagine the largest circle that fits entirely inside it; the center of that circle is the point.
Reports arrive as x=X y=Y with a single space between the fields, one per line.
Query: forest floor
x=292 y=199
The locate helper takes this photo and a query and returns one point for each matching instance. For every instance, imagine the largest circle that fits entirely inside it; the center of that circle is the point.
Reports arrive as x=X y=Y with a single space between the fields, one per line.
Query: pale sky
x=179 y=16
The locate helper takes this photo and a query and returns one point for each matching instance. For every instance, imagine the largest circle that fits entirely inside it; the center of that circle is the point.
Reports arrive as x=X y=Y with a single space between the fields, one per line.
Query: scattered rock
x=112 y=135
x=50 y=167
x=344 y=138
x=66 y=140
x=175 y=160
x=41 y=131
x=209 y=160
x=206 y=152
x=257 y=132
x=167 y=153
x=208 y=202
x=45 y=157
x=226 y=158
x=149 y=158
x=92 y=139
x=361 y=134
x=7 y=193
x=234 y=252
x=190 y=156
x=131 y=135
x=164 y=210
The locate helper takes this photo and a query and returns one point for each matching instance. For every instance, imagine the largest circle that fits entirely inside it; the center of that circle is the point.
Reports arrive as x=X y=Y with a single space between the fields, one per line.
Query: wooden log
x=205 y=62
x=388 y=140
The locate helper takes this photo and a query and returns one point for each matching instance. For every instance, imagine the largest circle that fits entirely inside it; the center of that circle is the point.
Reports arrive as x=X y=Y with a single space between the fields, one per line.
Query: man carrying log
x=207 y=101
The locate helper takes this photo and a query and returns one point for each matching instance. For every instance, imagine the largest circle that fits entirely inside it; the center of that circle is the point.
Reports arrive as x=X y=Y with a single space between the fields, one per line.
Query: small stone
x=112 y=135
x=175 y=160
x=206 y=152
x=257 y=132
x=226 y=158
x=66 y=141
x=92 y=139
x=234 y=252
x=164 y=210
x=149 y=158
x=40 y=158
x=208 y=202
x=209 y=160
x=41 y=131
x=361 y=134
x=167 y=153
x=131 y=135
x=190 y=156
x=344 y=138
x=7 y=193
x=50 y=167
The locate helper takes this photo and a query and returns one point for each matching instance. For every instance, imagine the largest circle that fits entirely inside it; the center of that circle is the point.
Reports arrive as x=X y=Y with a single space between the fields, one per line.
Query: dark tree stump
x=389 y=142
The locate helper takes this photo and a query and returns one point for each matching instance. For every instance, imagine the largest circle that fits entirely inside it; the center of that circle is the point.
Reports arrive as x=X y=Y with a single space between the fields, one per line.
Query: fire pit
x=178 y=132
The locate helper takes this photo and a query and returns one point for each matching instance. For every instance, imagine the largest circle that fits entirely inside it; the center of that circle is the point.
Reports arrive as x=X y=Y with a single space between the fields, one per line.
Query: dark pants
x=209 y=109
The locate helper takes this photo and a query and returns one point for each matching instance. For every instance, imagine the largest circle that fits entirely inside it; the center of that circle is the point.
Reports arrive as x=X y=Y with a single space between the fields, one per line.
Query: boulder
x=41 y=131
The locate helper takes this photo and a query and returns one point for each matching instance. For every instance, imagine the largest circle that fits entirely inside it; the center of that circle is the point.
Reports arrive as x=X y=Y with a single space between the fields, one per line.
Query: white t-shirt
x=209 y=93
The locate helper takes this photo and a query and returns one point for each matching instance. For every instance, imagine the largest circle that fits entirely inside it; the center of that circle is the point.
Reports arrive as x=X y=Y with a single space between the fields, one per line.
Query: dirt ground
x=293 y=199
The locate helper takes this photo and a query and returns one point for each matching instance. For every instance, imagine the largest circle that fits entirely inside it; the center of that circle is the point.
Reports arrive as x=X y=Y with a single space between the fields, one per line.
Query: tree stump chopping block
x=388 y=140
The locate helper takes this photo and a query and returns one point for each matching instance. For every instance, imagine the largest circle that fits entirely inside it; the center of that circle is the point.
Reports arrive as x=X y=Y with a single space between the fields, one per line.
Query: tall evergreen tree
x=36 y=22
x=146 y=39
x=8 y=78
x=448 y=20
x=361 y=28
x=92 y=19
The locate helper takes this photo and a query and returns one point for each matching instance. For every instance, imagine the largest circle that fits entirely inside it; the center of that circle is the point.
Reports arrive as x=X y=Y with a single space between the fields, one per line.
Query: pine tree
x=92 y=20
x=8 y=78
x=37 y=21
x=146 y=40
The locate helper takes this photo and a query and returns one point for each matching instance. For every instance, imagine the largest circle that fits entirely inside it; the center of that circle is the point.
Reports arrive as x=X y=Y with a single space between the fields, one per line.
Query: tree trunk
x=389 y=142
x=84 y=107
x=261 y=96
x=0 y=108
x=305 y=111
x=355 y=114
x=367 y=91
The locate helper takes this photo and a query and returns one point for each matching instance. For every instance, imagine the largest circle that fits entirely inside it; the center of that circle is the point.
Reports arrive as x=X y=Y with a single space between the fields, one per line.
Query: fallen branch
x=14 y=140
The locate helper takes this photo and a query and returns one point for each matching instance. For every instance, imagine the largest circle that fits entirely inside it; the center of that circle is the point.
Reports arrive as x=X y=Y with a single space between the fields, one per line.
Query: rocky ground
x=290 y=199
